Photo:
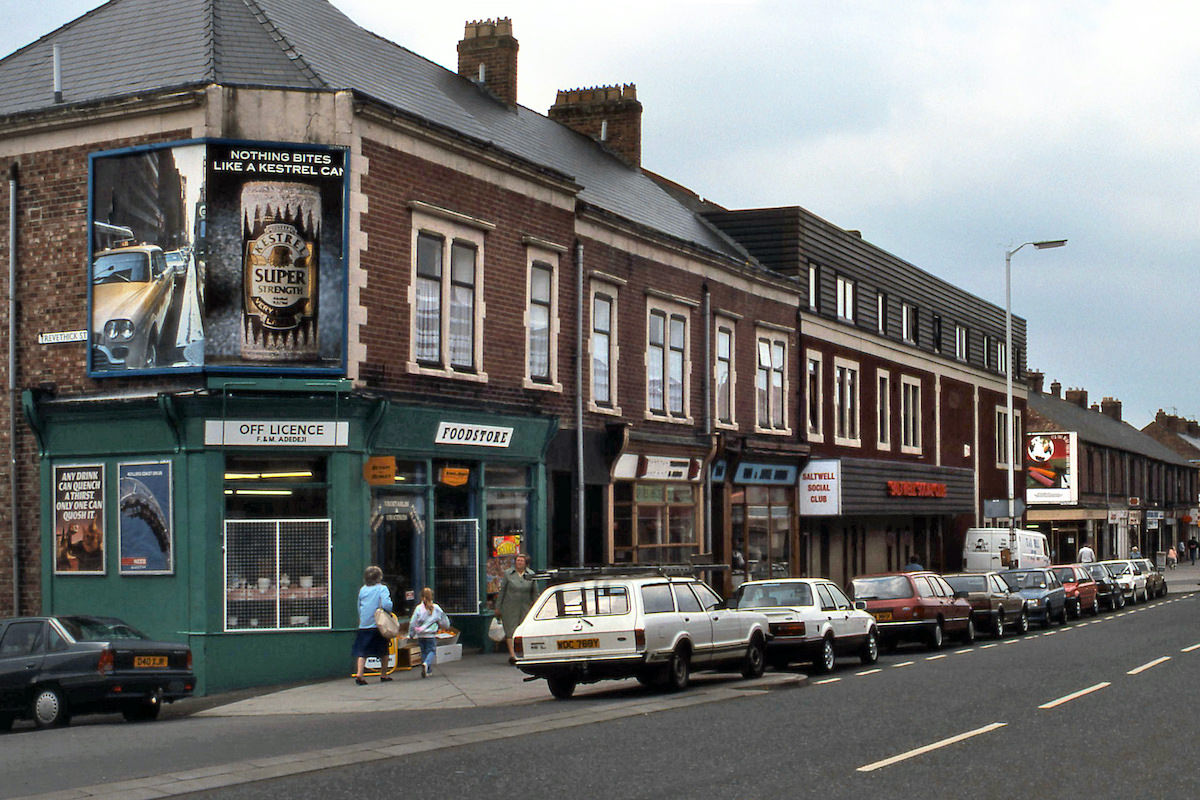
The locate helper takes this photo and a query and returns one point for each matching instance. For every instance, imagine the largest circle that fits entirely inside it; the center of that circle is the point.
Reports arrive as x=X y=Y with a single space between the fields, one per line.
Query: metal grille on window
x=456 y=547
x=277 y=574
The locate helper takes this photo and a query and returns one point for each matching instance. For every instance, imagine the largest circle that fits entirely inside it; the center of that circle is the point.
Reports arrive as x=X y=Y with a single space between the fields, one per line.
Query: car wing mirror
x=861 y=605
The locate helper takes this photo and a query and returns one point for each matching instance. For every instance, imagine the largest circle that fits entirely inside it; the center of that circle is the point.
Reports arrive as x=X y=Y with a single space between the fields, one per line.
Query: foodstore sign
x=276 y=433
x=475 y=435
x=821 y=488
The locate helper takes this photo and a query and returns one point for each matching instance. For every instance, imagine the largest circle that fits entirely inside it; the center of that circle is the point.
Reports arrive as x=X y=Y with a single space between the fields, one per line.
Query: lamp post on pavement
x=1010 y=434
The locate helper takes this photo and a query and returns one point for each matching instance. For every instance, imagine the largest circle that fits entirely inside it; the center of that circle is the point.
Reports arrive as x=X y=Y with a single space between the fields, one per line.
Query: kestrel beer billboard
x=218 y=256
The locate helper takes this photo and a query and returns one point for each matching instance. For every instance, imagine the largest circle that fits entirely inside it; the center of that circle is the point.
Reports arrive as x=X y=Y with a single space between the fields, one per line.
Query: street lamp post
x=1010 y=421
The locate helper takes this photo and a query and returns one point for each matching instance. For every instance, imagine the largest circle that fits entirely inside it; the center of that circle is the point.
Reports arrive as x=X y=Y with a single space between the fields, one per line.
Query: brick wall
x=51 y=296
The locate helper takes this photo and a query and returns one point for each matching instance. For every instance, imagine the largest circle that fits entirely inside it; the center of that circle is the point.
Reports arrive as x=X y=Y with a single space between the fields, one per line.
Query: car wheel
x=679 y=671
x=49 y=707
x=936 y=636
x=142 y=710
x=998 y=627
x=825 y=661
x=1076 y=610
x=1120 y=599
x=968 y=636
x=1062 y=615
x=1023 y=623
x=1095 y=606
x=755 y=662
x=870 y=650
x=1145 y=596
x=152 y=349
x=562 y=688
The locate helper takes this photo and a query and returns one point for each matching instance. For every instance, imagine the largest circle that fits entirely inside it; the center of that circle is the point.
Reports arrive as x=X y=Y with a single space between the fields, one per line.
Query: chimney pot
x=608 y=114
x=1078 y=396
x=1036 y=381
x=1110 y=406
x=487 y=54
x=1056 y=389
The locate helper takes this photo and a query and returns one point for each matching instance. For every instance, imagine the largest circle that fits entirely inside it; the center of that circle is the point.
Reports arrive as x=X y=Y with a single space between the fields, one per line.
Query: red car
x=914 y=607
x=1080 y=586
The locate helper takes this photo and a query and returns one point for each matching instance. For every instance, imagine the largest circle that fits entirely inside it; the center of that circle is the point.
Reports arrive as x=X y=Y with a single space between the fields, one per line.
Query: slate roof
x=1101 y=429
x=127 y=47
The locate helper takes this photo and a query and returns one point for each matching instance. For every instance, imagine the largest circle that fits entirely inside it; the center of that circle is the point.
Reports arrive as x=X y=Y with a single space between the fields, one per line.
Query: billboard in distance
x=218 y=256
x=1050 y=469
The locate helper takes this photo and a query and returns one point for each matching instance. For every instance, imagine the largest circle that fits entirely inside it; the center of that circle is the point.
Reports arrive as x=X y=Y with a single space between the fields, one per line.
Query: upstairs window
x=845 y=402
x=845 y=298
x=603 y=324
x=666 y=363
x=910 y=415
x=540 y=343
x=771 y=382
x=813 y=396
x=937 y=333
x=908 y=322
x=814 y=287
x=881 y=305
x=960 y=342
x=723 y=374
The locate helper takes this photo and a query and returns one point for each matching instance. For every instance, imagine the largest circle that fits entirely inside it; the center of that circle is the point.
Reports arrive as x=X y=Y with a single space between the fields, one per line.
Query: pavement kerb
x=242 y=772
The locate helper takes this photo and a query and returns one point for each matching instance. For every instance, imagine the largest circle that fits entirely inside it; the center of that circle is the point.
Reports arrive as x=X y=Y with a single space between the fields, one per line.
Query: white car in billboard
x=132 y=290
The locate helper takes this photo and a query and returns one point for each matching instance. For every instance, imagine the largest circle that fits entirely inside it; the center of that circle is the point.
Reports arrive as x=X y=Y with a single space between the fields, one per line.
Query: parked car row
x=659 y=628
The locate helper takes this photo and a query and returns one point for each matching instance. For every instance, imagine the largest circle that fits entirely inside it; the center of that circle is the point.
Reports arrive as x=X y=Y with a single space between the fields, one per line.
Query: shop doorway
x=398 y=544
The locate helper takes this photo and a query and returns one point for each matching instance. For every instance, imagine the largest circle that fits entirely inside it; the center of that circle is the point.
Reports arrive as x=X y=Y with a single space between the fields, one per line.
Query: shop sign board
x=1050 y=468
x=62 y=337
x=276 y=433
x=1117 y=515
x=79 y=519
x=821 y=488
x=461 y=433
x=765 y=474
x=217 y=256
x=380 y=471
x=146 y=532
x=657 y=468
x=915 y=489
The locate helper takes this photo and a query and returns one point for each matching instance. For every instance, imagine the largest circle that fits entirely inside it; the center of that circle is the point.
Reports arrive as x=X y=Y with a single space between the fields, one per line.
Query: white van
x=987 y=549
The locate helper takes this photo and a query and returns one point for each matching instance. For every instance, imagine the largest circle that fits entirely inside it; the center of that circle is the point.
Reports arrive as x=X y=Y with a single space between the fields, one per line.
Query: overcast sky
x=947 y=132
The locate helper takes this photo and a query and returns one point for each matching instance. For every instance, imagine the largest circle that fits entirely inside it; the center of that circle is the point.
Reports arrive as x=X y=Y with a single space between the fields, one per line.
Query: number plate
x=144 y=662
x=577 y=644
x=882 y=616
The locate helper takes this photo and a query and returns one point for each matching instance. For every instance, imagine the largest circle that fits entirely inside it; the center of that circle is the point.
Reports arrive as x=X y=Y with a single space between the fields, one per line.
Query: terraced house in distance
x=290 y=299
x=904 y=383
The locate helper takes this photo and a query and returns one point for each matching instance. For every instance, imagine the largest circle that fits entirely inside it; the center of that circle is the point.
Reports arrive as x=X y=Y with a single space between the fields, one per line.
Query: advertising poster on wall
x=79 y=519
x=218 y=256
x=1050 y=469
x=147 y=534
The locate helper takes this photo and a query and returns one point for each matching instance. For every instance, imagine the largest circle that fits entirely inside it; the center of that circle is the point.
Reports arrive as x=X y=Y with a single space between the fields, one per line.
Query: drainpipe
x=706 y=308
x=12 y=384
x=580 y=518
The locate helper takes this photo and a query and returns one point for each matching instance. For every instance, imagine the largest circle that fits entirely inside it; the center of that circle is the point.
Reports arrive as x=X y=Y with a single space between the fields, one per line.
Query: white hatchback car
x=1130 y=578
x=810 y=619
x=656 y=629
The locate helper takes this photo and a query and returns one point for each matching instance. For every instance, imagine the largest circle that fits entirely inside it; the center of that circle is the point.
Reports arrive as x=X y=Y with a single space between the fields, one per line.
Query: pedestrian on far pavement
x=517 y=593
x=427 y=619
x=1192 y=547
x=913 y=565
x=1171 y=558
x=374 y=594
x=1086 y=554
x=1134 y=552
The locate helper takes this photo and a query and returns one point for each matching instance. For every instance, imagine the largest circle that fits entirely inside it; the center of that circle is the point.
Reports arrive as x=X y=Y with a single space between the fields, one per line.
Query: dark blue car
x=1045 y=598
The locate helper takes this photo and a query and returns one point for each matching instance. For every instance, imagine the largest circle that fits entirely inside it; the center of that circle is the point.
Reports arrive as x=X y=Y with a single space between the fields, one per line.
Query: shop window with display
x=276 y=543
x=507 y=497
x=654 y=523
x=761 y=519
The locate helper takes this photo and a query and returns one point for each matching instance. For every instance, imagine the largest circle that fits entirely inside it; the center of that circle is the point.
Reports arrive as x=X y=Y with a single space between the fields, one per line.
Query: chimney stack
x=487 y=55
x=1111 y=407
x=1078 y=397
x=611 y=115
x=1037 y=380
x=1056 y=389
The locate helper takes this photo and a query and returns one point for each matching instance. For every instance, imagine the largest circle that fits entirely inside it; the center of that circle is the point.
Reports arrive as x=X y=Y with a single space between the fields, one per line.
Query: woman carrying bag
x=426 y=619
x=372 y=596
x=517 y=593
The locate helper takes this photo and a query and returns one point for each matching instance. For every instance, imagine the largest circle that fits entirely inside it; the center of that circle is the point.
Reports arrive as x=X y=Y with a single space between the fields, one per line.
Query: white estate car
x=810 y=619
x=656 y=629
x=1130 y=577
